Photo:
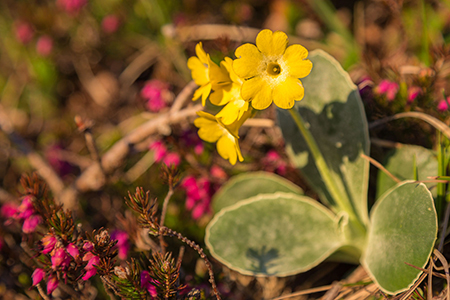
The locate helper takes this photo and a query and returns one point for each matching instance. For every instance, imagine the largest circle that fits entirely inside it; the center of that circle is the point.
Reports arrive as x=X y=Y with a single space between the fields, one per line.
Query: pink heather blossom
x=273 y=162
x=146 y=283
x=60 y=259
x=218 y=172
x=24 y=32
x=172 y=159
x=110 y=24
x=155 y=92
x=383 y=87
x=413 y=93
x=30 y=223
x=122 y=243
x=9 y=210
x=443 y=105
x=26 y=208
x=71 y=6
x=72 y=249
x=198 y=198
x=199 y=148
x=49 y=242
x=90 y=267
x=37 y=276
x=52 y=154
x=44 y=45
x=160 y=150
x=52 y=284
x=387 y=88
x=88 y=246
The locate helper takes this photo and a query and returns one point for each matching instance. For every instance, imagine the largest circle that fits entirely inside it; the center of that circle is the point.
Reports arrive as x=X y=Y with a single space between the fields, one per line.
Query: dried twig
x=380 y=166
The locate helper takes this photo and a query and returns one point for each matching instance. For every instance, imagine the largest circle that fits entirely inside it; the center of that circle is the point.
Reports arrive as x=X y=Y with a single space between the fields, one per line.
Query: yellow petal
x=258 y=92
x=227 y=63
x=248 y=62
x=228 y=148
x=232 y=111
x=202 y=56
x=287 y=92
x=198 y=70
x=295 y=59
x=272 y=44
x=202 y=92
x=209 y=131
x=218 y=75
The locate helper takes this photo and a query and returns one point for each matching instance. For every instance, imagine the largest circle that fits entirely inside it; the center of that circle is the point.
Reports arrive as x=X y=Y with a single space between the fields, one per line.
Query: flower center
x=273 y=69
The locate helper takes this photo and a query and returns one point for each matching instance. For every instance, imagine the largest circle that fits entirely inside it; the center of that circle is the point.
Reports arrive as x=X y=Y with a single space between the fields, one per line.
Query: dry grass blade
x=445 y=265
x=380 y=166
x=305 y=292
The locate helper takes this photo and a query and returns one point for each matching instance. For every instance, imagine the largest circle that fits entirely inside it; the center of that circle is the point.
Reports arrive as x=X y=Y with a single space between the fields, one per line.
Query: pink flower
x=44 y=45
x=387 y=88
x=88 y=246
x=172 y=159
x=26 y=208
x=30 y=224
x=160 y=150
x=443 y=105
x=52 y=284
x=198 y=197
x=9 y=210
x=413 y=93
x=155 y=92
x=218 y=172
x=49 y=242
x=199 y=148
x=72 y=249
x=274 y=162
x=37 y=276
x=71 y=6
x=110 y=24
x=90 y=267
x=122 y=243
x=24 y=32
x=60 y=259
x=146 y=283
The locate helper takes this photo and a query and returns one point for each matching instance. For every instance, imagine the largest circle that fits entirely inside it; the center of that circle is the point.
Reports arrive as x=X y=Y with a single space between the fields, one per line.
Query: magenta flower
x=37 y=276
x=388 y=89
x=443 y=105
x=9 y=210
x=49 y=242
x=110 y=24
x=274 y=162
x=146 y=283
x=172 y=159
x=198 y=198
x=90 y=267
x=413 y=93
x=24 y=32
x=155 y=92
x=71 y=6
x=72 y=249
x=160 y=150
x=122 y=243
x=88 y=246
x=30 y=223
x=44 y=45
x=218 y=172
x=60 y=258
x=52 y=284
x=26 y=208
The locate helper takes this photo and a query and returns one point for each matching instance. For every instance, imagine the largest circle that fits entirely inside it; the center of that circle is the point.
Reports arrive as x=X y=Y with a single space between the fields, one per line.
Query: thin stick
x=445 y=265
x=380 y=166
x=41 y=292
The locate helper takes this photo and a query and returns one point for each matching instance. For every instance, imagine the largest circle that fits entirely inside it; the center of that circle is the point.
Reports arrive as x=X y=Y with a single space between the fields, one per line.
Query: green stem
x=341 y=200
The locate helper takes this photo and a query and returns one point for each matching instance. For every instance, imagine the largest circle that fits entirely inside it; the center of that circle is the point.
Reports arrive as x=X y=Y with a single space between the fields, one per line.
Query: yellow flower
x=271 y=70
x=212 y=130
x=229 y=94
x=205 y=73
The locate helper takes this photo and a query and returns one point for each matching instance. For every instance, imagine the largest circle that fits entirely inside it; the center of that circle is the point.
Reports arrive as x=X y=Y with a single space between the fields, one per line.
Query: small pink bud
x=160 y=150
x=30 y=224
x=49 y=242
x=52 y=284
x=146 y=283
x=37 y=276
x=155 y=92
x=442 y=105
x=110 y=24
x=413 y=93
x=26 y=208
x=218 y=172
x=9 y=210
x=71 y=6
x=122 y=243
x=172 y=159
x=88 y=246
x=24 y=32
x=44 y=45
x=73 y=250
x=60 y=258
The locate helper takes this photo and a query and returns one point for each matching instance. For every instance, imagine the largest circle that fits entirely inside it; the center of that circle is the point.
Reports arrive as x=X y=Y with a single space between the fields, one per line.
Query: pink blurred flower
x=198 y=198
x=413 y=93
x=30 y=223
x=44 y=45
x=199 y=148
x=72 y=249
x=387 y=88
x=443 y=105
x=274 y=163
x=110 y=24
x=53 y=156
x=160 y=150
x=52 y=284
x=60 y=258
x=90 y=267
x=37 y=276
x=71 y=6
x=49 y=242
x=155 y=91
x=122 y=243
x=146 y=283
x=88 y=246
x=9 y=210
x=24 y=32
x=218 y=172
x=172 y=159
x=26 y=208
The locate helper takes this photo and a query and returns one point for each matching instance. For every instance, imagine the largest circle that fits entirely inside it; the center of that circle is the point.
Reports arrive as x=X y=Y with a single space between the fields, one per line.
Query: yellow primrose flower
x=205 y=72
x=212 y=130
x=271 y=70
x=229 y=94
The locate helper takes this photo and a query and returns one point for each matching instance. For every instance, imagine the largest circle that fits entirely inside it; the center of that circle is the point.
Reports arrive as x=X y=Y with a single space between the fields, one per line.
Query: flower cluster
x=24 y=213
x=262 y=74
x=162 y=154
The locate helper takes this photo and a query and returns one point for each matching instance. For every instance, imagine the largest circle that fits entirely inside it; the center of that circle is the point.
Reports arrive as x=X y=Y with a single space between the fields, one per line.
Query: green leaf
x=273 y=235
x=400 y=163
x=403 y=230
x=333 y=109
x=250 y=184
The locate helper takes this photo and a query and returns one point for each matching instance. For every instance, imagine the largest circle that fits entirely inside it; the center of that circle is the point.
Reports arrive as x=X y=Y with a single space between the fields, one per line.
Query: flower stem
x=341 y=200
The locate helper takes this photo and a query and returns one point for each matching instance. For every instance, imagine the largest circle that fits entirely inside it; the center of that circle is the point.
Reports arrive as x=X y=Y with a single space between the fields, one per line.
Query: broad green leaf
x=273 y=234
x=250 y=184
x=403 y=230
x=400 y=163
x=335 y=115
